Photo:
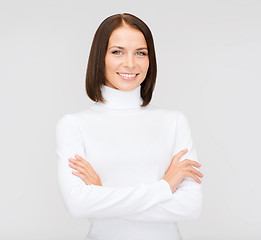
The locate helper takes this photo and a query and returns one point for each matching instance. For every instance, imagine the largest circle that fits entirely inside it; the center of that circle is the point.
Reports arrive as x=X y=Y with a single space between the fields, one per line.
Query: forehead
x=127 y=36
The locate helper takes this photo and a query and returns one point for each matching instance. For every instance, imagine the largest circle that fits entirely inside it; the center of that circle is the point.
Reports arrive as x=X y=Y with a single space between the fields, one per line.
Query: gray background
x=208 y=55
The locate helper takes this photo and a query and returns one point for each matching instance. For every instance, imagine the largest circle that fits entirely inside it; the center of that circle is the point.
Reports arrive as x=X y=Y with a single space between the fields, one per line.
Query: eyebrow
x=142 y=48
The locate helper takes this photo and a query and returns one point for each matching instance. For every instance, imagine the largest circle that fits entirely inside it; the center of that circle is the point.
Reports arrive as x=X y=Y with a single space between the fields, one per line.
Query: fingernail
x=76 y=155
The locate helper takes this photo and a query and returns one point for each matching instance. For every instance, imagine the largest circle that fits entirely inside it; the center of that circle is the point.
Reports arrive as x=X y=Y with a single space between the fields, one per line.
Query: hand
x=85 y=171
x=177 y=171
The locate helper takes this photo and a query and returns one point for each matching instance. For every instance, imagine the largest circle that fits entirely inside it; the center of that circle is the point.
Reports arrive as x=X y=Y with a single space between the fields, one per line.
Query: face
x=126 y=59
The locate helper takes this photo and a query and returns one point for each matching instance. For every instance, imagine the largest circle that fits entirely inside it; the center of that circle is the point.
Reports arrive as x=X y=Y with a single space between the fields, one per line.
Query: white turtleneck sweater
x=130 y=148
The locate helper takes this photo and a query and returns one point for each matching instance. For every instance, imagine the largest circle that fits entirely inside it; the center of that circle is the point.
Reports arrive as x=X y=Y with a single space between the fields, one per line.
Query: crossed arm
x=144 y=202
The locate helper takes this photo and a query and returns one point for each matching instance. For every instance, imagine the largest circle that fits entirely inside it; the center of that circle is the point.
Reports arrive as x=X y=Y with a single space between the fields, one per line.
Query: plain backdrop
x=208 y=55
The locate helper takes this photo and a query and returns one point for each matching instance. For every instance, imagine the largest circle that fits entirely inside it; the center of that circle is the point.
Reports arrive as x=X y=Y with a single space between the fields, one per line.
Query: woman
x=130 y=175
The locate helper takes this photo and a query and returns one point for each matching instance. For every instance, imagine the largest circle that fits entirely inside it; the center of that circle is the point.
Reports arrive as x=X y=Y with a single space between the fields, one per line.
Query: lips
x=128 y=76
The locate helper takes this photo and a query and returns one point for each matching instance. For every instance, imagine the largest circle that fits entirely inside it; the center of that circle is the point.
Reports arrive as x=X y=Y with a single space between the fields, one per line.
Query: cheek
x=145 y=65
x=110 y=65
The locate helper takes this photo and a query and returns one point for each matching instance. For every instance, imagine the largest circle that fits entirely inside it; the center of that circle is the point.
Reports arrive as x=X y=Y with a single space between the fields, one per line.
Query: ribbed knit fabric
x=130 y=147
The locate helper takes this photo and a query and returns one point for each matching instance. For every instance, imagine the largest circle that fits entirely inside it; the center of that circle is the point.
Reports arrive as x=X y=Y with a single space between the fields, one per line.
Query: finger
x=79 y=158
x=188 y=162
x=82 y=176
x=83 y=161
x=77 y=165
x=179 y=155
x=193 y=176
x=80 y=161
x=85 y=167
x=86 y=163
x=193 y=170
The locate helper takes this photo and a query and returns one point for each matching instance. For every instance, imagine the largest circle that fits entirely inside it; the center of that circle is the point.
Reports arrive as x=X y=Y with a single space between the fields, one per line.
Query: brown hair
x=95 y=75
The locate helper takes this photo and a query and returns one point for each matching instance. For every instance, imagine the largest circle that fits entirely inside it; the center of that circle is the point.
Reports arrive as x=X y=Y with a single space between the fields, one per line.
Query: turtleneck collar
x=116 y=99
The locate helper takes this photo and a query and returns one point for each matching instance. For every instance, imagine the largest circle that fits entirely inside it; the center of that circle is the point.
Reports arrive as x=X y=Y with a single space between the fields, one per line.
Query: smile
x=128 y=76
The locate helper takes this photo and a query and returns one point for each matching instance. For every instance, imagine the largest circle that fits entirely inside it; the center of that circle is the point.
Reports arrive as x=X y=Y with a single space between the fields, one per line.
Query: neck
x=116 y=99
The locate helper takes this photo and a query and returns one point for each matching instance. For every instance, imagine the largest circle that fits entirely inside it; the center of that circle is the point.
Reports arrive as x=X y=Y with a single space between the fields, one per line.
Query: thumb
x=177 y=157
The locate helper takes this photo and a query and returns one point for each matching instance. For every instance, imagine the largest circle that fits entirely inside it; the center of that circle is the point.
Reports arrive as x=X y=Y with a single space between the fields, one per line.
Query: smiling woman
x=122 y=46
x=130 y=175
x=126 y=60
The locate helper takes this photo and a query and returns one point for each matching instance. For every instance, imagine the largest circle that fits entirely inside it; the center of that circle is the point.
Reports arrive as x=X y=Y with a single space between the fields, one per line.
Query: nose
x=129 y=61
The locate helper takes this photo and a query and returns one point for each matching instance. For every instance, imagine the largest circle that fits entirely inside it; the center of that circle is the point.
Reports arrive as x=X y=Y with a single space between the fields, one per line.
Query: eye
x=118 y=52
x=142 y=53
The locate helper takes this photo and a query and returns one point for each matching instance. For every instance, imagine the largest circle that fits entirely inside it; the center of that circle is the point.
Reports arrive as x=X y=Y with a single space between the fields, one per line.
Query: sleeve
x=186 y=201
x=93 y=201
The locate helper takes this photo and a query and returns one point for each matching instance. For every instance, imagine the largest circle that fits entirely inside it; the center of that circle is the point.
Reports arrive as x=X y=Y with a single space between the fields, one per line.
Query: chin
x=127 y=87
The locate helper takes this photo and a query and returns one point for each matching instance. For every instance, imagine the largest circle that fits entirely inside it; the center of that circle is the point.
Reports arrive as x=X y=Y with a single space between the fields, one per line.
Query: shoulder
x=171 y=116
x=72 y=118
x=65 y=123
x=174 y=114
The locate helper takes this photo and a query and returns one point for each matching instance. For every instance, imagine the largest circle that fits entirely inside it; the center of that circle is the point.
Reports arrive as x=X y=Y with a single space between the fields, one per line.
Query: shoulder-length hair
x=95 y=75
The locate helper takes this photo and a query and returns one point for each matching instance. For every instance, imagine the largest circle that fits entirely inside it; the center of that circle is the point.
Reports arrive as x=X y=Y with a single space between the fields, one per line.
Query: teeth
x=127 y=75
